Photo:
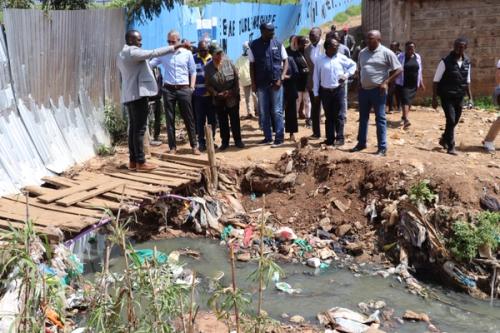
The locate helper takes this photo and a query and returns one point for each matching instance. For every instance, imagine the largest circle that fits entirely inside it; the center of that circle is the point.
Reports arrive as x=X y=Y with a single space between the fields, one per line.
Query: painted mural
x=231 y=24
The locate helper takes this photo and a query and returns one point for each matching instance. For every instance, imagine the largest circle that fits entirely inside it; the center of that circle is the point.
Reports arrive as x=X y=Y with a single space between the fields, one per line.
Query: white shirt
x=441 y=68
x=317 y=51
x=284 y=55
x=328 y=71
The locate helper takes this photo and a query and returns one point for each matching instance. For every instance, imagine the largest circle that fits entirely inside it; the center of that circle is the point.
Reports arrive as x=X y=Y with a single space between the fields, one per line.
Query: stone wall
x=434 y=24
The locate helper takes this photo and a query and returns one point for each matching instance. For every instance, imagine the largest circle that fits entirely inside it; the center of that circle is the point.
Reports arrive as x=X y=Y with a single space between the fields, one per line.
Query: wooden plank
x=138 y=186
x=82 y=196
x=99 y=204
x=57 y=208
x=163 y=172
x=180 y=159
x=59 y=181
x=71 y=190
x=176 y=166
x=6 y=225
x=162 y=176
x=17 y=211
x=144 y=179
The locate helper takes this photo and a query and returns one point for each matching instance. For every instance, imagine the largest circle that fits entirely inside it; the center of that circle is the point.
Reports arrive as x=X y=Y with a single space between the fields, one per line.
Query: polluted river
x=318 y=290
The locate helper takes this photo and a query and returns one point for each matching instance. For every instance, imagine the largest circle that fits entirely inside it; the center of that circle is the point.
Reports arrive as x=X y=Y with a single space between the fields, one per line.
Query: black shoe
x=266 y=142
x=240 y=144
x=339 y=143
x=202 y=148
x=277 y=144
x=357 y=148
x=327 y=143
x=452 y=151
x=381 y=152
x=223 y=147
x=442 y=143
x=314 y=137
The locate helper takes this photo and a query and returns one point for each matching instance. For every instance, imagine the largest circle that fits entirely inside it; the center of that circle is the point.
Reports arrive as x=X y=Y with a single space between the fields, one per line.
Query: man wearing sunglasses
x=138 y=84
x=179 y=79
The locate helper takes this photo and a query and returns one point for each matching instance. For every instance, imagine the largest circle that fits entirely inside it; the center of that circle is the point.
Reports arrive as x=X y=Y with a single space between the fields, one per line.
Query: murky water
x=336 y=286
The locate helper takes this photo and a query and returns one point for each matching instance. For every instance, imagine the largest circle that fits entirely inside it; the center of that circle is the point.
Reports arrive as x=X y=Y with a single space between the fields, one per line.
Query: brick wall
x=434 y=24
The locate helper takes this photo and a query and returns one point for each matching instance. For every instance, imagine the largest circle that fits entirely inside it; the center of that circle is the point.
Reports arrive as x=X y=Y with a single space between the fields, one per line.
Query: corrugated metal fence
x=62 y=70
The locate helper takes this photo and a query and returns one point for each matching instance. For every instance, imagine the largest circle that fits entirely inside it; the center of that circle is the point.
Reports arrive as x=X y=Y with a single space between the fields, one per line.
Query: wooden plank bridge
x=73 y=204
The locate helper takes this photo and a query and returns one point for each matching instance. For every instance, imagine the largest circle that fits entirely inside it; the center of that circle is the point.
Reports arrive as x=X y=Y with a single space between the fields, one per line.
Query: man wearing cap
x=179 y=81
x=201 y=98
x=243 y=66
x=268 y=63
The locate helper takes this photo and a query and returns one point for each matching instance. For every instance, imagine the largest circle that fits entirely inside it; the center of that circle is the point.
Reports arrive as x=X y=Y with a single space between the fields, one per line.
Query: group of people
x=285 y=84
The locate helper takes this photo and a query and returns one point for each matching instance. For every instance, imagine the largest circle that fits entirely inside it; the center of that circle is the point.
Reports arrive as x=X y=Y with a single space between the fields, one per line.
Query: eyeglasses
x=171 y=41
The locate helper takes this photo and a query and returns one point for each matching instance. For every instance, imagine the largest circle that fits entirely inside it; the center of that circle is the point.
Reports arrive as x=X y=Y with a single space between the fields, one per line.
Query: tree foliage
x=21 y=4
x=141 y=10
x=65 y=4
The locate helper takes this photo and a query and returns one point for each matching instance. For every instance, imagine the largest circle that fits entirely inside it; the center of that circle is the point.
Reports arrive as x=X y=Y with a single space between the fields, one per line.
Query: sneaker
x=276 y=144
x=489 y=146
x=357 y=148
x=155 y=143
x=240 y=144
x=223 y=147
x=381 y=152
x=132 y=166
x=146 y=167
x=266 y=142
x=195 y=151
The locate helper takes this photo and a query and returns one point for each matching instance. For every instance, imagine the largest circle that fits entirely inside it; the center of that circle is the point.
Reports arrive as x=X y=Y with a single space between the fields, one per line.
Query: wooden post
x=214 y=177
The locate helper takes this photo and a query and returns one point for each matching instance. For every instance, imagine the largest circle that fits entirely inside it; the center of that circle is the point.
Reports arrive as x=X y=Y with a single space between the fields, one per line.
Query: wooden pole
x=214 y=177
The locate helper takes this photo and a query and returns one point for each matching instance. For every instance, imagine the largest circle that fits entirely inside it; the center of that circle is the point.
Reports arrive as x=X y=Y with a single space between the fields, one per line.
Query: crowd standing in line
x=285 y=85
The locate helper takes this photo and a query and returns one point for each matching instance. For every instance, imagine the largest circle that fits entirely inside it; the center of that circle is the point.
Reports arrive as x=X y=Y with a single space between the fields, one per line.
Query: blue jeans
x=271 y=105
x=369 y=98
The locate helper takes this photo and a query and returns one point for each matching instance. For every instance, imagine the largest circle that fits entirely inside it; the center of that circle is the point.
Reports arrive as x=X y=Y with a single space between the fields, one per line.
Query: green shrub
x=341 y=18
x=114 y=123
x=421 y=193
x=103 y=150
x=468 y=237
x=354 y=10
x=484 y=102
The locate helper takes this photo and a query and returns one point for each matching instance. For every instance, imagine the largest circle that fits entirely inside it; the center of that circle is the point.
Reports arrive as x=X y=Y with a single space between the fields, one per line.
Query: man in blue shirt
x=179 y=79
x=330 y=73
x=268 y=63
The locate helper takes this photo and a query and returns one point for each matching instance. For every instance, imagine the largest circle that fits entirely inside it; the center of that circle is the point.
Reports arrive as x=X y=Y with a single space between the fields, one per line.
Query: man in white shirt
x=331 y=71
x=311 y=53
x=179 y=81
x=451 y=83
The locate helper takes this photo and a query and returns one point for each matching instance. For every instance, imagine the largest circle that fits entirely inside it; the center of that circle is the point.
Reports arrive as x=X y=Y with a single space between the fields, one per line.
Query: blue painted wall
x=233 y=24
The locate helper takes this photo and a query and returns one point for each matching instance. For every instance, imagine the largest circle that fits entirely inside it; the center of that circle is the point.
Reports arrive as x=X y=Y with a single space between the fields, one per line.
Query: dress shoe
x=339 y=143
x=442 y=143
x=452 y=151
x=327 y=143
x=381 y=152
x=146 y=167
x=203 y=148
x=195 y=151
x=172 y=151
x=266 y=142
x=240 y=144
x=314 y=137
x=132 y=166
x=357 y=148
x=277 y=144
x=223 y=147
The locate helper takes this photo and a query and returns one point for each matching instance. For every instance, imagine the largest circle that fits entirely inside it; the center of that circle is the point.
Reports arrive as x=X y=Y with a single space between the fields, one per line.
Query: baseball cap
x=267 y=26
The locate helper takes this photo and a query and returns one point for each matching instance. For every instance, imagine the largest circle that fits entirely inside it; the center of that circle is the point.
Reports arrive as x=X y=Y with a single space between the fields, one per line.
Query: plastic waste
x=247 y=236
x=313 y=262
x=226 y=232
x=324 y=265
x=146 y=255
x=304 y=246
x=286 y=288
x=455 y=272
x=285 y=234
x=253 y=197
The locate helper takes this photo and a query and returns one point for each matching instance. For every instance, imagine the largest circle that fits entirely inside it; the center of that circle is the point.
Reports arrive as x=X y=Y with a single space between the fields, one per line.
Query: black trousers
x=315 y=115
x=171 y=97
x=291 y=121
x=226 y=115
x=137 y=126
x=333 y=101
x=452 y=107
x=204 y=112
x=157 y=109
